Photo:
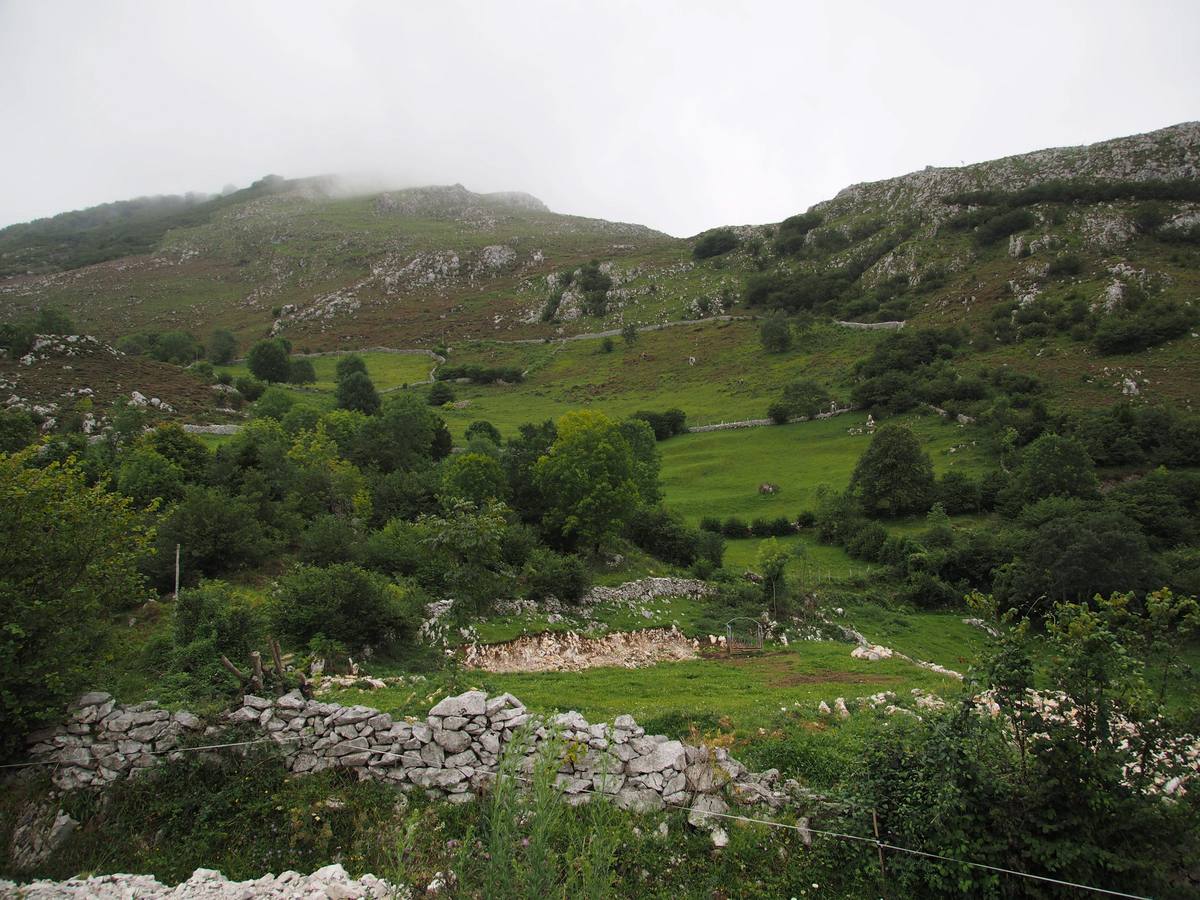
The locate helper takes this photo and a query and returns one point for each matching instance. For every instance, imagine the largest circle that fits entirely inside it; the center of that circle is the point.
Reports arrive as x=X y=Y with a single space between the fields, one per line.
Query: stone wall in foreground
x=453 y=753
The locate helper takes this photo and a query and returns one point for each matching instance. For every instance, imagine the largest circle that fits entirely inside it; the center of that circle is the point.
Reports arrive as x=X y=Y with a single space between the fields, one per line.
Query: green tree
x=268 y=360
x=1052 y=466
x=647 y=461
x=775 y=334
x=629 y=333
x=400 y=438
x=17 y=430
x=146 y=476
x=805 y=398
x=894 y=476
x=216 y=533
x=715 y=243
x=68 y=561
x=440 y=394
x=467 y=541
x=301 y=371
x=356 y=392
x=222 y=347
x=474 y=477
x=344 y=603
x=274 y=403
x=588 y=480
x=351 y=362
x=772 y=561
x=481 y=428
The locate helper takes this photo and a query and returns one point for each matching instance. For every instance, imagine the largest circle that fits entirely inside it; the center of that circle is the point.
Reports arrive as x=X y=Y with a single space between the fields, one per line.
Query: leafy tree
x=474 y=477
x=894 y=476
x=17 y=430
x=1052 y=466
x=481 y=428
x=715 y=243
x=805 y=398
x=216 y=533
x=301 y=371
x=468 y=541
x=357 y=392
x=1075 y=555
x=351 y=362
x=775 y=334
x=268 y=360
x=588 y=480
x=330 y=539
x=52 y=320
x=222 y=347
x=772 y=561
x=68 y=560
x=178 y=347
x=440 y=394
x=548 y=574
x=211 y=620
x=647 y=462
x=274 y=404
x=346 y=604
x=520 y=461
x=146 y=476
x=301 y=417
x=629 y=333
x=400 y=438
x=250 y=388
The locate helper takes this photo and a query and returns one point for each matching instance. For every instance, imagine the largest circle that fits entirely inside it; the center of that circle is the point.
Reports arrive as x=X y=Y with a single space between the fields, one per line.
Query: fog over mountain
x=680 y=116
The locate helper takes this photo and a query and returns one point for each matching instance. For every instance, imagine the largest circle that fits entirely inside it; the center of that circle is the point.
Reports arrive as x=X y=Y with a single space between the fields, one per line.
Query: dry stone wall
x=453 y=753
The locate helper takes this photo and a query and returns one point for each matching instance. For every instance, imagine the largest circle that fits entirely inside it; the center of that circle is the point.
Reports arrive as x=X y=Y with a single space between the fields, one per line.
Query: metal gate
x=742 y=634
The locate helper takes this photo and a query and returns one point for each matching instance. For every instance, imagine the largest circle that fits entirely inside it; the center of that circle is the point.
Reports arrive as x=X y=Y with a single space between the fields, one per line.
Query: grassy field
x=748 y=691
x=732 y=377
x=718 y=473
x=389 y=371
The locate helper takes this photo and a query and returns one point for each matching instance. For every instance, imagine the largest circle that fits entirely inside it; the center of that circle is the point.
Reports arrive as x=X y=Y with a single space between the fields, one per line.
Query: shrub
x=958 y=493
x=273 y=404
x=548 y=574
x=356 y=392
x=733 y=527
x=760 y=528
x=440 y=394
x=1147 y=326
x=607 y=345
x=17 y=430
x=1064 y=265
x=268 y=360
x=211 y=620
x=301 y=371
x=203 y=370
x=250 y=388
x=351 y=362
x=715 y=243
x=790 y=237
x=345 y=603
x=663 y=424
x=665 y=535
x=779 y=412
x=1002 y=225
x=806 y=519
x=775 y=334
x=867 y=543
x=481 y=428
x=222 y=347
x=328 y=540
x=146 y=476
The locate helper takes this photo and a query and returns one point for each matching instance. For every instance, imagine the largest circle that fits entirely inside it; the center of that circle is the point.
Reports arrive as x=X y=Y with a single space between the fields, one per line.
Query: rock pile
x=634 y=593
x=454 y=753
x=329 y=883
x=101 y=741
x=566 y=651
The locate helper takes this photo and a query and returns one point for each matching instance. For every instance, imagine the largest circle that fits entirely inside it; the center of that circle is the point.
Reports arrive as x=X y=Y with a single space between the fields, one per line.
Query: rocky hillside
x=1032 y=253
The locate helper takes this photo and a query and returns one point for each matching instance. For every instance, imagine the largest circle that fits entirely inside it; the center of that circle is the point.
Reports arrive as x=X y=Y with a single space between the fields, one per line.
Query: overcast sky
x=678 y=115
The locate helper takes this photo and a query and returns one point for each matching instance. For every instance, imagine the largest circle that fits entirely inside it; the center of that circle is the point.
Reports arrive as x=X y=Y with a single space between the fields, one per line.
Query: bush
x=328 y=540
x=268 y=360
x=301 y=371
x=779 y=412
x=790 y=237
x=1149 y=325
x=733 y=527
x=273 y=404
x=344 y=603
x=211 y=620
x=664 y=534
x=17 y=430
x=356 y=392
x=710 y=524
x=958 y=494
x=760 y=528
x=250 y=388
x=222 y=347
x=548 y=574
x=440 y=394
x=481 y=428
x=867 y=543
x=664 y=424
x=806 y=519
x=715 y=243
x=775 y=334
x=1064 y=265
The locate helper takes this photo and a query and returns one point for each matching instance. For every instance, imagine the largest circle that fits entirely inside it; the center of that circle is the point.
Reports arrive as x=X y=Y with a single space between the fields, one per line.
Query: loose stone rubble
x=453 y=754
x=329 y=883
x=569 y=652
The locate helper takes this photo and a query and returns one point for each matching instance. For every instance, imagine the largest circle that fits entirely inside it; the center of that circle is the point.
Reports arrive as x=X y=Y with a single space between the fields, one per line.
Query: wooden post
x=256 y=661
x=879 y=847
x=275 y=654
x=176 y=571
x=237 y=673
